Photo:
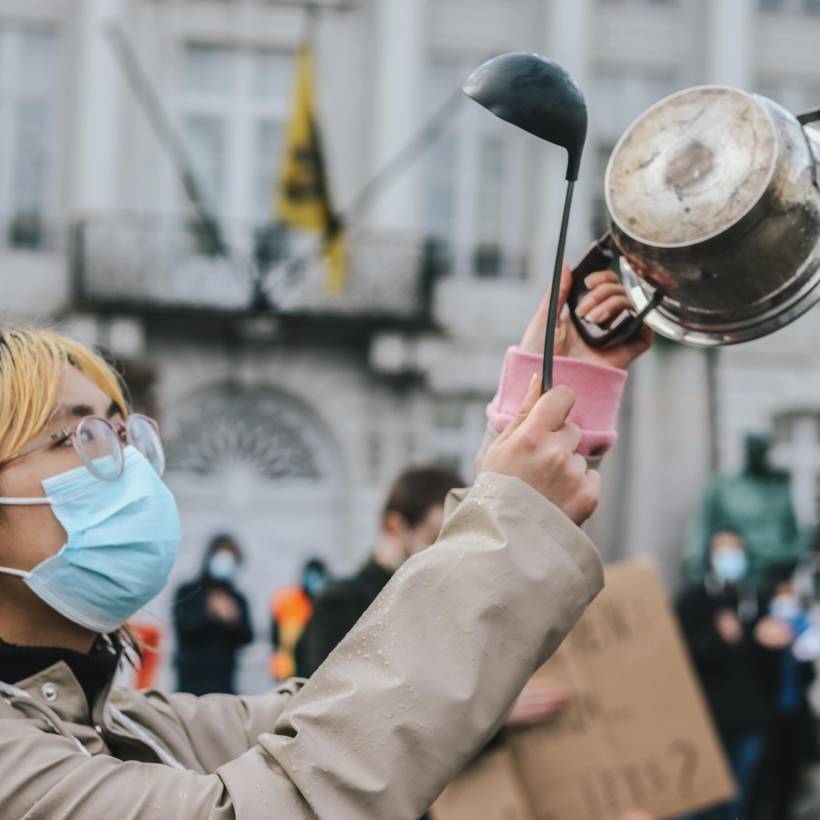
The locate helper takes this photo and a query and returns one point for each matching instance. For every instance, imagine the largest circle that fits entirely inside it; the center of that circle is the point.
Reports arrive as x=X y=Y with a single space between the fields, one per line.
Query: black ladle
x=540 y=97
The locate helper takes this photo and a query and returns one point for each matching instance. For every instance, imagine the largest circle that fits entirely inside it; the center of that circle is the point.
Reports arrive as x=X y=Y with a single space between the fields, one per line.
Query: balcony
x=143 y=265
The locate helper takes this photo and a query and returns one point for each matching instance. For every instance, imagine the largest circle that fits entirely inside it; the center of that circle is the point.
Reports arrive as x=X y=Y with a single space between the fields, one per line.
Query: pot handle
x=804 y=119
x=626 y=325
x=808 y=116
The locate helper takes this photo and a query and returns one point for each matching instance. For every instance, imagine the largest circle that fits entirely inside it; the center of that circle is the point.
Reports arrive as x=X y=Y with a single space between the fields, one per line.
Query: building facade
x=287 y=410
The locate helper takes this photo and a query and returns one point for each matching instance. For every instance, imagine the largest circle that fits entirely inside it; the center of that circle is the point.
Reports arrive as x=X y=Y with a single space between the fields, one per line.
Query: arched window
x=256 y=426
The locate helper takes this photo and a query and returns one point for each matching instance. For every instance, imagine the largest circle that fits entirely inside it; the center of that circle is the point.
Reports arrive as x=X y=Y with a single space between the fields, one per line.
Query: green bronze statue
x=757 y=504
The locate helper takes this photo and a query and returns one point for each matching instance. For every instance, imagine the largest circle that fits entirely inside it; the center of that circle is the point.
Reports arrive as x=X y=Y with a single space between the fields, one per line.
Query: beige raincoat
x=408 y=697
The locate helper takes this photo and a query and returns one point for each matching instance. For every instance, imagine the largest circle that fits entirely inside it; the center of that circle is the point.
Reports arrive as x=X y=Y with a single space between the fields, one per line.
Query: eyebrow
x=65 y=411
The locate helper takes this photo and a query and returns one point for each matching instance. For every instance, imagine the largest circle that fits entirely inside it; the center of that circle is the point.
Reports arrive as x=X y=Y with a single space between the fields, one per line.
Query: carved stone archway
x=258 y=426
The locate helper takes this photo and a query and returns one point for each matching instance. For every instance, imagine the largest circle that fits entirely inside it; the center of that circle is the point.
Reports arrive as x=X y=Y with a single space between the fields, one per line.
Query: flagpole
x=397 y=165
x=167 y=136
x=261 y=299
x=405 y=156
x=310 y=24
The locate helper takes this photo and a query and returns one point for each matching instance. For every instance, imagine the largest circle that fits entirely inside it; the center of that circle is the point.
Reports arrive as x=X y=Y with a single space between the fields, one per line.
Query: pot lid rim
x=773 y=164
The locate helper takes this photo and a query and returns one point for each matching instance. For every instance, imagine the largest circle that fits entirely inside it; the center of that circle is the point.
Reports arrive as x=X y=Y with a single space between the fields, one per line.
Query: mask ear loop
x=18 y=572
x=23 y=502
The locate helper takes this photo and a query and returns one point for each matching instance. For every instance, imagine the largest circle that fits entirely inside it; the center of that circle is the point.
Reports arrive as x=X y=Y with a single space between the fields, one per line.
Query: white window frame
x=11 y=79
x=793 y=7
x=471 y=125
x=242 y=111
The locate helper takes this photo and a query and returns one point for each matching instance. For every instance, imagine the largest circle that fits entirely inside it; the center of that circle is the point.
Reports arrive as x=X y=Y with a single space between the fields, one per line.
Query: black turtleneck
x=93 y=670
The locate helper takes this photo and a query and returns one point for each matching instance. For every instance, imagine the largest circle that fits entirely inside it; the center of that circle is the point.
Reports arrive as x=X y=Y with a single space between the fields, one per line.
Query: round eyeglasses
x=99 y=443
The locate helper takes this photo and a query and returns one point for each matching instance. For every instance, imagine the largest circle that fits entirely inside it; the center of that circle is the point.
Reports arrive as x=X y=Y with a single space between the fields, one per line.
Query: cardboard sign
x=637 y=734
x=488 y=789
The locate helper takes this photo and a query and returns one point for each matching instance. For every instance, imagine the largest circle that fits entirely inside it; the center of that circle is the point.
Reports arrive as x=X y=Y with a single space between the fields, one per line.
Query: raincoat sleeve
x=216 y=728
x=400 y=706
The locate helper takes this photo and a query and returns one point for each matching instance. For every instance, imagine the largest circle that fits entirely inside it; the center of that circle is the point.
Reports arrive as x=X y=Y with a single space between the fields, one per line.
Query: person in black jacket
x=792 y=743
x=736 y=648
x=411 y=520
x=212 y=622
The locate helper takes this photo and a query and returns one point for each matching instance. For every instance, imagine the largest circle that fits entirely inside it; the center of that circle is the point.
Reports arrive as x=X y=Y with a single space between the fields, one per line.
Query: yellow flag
x=303 y=200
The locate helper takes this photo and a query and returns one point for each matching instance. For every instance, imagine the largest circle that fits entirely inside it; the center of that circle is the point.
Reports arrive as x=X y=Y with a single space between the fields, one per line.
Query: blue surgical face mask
x=314 y=582
x=222 y=567
x=730 y=565
x=786 y=607
x=123 y=537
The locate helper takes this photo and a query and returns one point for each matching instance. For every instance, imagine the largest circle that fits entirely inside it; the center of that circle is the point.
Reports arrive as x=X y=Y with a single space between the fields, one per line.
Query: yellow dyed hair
x=31 y=361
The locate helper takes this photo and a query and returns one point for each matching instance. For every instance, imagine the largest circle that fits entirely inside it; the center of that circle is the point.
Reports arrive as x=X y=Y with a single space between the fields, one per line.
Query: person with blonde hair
x=89 y=533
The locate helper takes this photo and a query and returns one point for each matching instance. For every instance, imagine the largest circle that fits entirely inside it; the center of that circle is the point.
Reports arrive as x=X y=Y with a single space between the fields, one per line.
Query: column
x=566 y=39
x=398 y=82
x=730 y=33
x=99 y=110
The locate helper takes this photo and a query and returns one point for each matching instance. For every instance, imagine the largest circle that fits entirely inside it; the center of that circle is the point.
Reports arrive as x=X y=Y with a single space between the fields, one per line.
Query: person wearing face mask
x=291 y=609
x=792 y=742
x=211 y=622
x=88 y=535
x=736 y=648
x=411 y=521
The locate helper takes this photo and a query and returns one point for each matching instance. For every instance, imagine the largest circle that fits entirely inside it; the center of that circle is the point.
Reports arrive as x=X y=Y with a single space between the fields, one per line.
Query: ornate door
x=259 y=464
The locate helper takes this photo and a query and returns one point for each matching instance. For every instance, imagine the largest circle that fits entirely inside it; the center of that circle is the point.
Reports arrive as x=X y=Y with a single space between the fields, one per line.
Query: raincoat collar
x=57 y=686
x=91 y=672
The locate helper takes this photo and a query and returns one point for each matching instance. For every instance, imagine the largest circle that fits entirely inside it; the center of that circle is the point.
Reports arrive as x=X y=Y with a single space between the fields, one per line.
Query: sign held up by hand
x=636 y=735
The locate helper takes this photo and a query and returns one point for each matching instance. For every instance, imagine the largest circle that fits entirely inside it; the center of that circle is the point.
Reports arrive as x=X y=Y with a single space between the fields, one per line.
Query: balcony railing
x=27 y=230
x=139 y=264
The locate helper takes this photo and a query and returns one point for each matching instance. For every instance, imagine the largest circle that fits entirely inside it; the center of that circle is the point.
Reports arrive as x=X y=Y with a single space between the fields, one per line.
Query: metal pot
x=714 y=212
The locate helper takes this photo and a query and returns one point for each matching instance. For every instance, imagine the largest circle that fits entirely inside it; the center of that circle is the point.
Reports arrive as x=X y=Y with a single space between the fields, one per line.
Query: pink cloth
x=598 y=390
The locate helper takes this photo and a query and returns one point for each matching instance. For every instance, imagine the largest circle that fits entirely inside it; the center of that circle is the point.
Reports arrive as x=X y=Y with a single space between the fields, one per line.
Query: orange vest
x=291 y=610
x=149 y=637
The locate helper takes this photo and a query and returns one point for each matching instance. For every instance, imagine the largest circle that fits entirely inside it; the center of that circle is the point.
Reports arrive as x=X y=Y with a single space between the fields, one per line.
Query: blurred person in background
x=757 y=503
x=411 y=520
x=211 y=621
x=736 y=648
x=291 y=609
x=792 y=741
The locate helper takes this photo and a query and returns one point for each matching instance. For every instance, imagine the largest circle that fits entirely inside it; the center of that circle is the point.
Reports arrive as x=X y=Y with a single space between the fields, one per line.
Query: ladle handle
x=625 y=325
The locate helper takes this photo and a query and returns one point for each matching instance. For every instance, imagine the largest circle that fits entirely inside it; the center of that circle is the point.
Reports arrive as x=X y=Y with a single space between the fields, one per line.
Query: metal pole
x=166 y=133
x=713 y=408
x=401 y=161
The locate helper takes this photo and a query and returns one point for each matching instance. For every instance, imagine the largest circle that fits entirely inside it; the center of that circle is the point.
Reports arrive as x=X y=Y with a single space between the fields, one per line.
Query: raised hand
x=540 y=700
x=606 y=299
x=540 y=447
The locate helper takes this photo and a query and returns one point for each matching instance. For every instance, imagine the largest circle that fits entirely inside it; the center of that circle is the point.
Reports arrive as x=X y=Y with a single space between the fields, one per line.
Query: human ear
x=394 y=524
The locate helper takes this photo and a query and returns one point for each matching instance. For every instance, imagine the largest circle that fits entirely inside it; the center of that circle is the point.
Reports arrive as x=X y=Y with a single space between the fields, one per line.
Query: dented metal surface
x=713 y=200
